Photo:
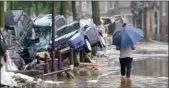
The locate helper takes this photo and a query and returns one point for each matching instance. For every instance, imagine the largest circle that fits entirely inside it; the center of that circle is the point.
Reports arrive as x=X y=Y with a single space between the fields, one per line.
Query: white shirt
x=125 y=52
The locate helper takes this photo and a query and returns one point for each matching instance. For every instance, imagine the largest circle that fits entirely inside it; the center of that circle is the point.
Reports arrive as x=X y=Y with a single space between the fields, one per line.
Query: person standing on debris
x=125 y=59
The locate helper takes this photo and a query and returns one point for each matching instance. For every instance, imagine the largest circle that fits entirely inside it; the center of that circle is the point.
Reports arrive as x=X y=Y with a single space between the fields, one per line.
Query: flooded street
x=150 y=70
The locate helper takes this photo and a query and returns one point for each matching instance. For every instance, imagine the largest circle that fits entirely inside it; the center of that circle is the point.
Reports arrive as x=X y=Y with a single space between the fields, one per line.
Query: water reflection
x=146 y=73
x=125 y=83
x=151 y=67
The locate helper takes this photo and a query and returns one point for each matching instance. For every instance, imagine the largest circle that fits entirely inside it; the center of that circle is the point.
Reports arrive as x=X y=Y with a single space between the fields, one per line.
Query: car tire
x=76 y=56
x=88 y=47
x=102 y=42
x=94 y=51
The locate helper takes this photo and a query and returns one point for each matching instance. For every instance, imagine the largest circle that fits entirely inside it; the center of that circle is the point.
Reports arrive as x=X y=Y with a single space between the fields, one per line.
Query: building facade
x=107 y=8
x=153 y=16
x=163 y=14
x=160 y=21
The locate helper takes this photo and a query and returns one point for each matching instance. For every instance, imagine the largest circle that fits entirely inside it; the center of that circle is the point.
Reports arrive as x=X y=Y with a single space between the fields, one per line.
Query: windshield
x=68 y=29
x=117 y=18
x=42 y=32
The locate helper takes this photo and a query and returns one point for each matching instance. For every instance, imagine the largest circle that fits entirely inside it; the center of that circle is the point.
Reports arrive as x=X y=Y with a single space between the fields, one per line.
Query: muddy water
x=146 y=73
x=149 y=72
x=152 y=67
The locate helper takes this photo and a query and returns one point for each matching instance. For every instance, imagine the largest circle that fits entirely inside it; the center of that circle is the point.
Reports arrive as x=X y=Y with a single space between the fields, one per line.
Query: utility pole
x=53 y=36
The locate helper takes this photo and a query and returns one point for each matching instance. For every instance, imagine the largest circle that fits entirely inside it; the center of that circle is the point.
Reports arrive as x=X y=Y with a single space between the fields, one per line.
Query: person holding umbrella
x=124 y=41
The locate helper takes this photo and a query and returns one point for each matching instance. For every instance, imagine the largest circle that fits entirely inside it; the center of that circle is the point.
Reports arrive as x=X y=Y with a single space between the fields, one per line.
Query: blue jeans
x=126 y=63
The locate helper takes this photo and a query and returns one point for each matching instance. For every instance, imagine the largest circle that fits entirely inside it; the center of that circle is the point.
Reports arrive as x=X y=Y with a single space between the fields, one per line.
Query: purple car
x=79 y=38
x=79 y=35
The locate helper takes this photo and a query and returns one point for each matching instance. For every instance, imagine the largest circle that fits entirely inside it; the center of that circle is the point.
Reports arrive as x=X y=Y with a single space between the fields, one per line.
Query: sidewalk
x=143 y=49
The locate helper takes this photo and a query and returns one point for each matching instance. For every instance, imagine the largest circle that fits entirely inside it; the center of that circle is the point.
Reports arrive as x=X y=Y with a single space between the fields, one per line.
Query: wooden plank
x=56 y=72
x=90 y=64
x=28 y=72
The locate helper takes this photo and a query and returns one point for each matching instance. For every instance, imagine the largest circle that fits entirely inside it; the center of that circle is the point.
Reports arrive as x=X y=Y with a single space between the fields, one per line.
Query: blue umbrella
x=127 y=36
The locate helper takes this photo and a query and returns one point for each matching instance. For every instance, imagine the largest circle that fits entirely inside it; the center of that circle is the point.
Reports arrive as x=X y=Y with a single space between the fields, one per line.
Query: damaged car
x=19 y=27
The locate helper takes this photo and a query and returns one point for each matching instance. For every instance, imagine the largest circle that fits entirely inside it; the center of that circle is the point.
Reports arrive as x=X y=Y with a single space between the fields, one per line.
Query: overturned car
x=19 y=28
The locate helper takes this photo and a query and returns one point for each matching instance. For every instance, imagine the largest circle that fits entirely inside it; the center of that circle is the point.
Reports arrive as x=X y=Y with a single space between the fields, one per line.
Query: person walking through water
x=125 y=59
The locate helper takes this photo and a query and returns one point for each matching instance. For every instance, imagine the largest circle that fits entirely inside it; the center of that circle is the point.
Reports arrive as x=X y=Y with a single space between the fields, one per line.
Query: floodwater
x=147 y=72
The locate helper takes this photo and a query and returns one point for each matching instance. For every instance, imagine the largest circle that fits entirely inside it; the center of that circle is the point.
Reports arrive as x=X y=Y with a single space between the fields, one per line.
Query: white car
x=6 y=64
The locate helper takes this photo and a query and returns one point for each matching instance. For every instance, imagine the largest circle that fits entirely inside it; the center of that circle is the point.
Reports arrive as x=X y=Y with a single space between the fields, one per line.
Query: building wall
x=163 y=10
x=107 y=8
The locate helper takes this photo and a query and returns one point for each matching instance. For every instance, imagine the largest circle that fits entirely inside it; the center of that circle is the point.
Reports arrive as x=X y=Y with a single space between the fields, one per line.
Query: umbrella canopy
x=127 y=36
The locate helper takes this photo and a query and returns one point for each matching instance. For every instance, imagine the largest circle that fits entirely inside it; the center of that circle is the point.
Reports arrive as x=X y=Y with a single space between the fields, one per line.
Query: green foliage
x=64 y=7
x=30 y=7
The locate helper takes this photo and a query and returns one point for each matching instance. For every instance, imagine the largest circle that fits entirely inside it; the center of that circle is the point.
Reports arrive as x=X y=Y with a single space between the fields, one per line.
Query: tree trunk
x=11 y=5
x=29 y=9
x=36 y=9
x=74 y=10
x=63 y=8
x=96 y=12
x=96 y=19
x=2 y=14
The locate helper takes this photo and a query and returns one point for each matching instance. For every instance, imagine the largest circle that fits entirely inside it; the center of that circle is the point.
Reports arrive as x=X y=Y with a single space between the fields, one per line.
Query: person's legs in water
x=128 y=65
x=123 y=66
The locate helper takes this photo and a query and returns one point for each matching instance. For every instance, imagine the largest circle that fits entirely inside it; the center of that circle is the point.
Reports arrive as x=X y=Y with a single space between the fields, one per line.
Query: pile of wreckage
x=26 y=46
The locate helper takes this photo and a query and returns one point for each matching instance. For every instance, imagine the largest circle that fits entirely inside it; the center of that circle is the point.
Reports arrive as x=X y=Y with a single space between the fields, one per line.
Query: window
x=118 y=18
x=103 y=6
x=106 y=21
x=60 y=22
x=68 y=29
x=42 y=32
x=124 y=4
x=76 y=26
x=111 y=5
x=62 y=31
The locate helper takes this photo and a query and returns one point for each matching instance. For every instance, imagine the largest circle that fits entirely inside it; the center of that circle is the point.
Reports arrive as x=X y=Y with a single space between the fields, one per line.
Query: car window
x=84 y=22
x=62 y=31
x=68 y=29
x=106 y=21
x=76 y=25
x=23 y=28
x=118 y=18
x=60 y=22
x=42 y=32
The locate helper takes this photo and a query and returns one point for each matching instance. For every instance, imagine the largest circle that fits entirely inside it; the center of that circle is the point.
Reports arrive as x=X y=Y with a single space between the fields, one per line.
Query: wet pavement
x=150 y=70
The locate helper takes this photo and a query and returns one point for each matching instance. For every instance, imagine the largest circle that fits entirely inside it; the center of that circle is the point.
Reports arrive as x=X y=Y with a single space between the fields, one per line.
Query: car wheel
x=88 y=46
x=94 y=51
x=76 y=59
x=102 y=42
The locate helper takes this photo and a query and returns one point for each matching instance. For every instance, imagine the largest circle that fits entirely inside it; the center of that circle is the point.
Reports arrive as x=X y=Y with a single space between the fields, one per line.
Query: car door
x=91 y=33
